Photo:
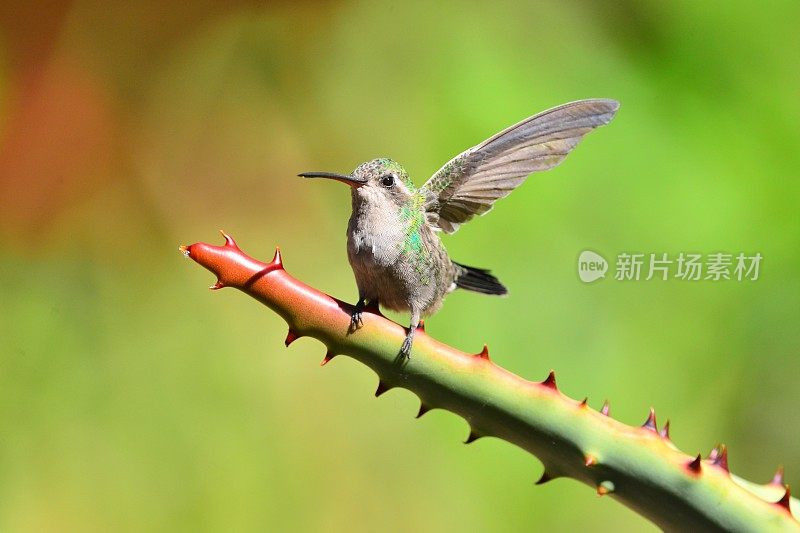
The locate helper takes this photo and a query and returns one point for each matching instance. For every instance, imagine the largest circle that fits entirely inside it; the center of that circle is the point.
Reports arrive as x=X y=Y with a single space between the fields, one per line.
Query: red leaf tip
x=606 y=409
x=605 y=487
x=664 y=432
x=786 y=500
x=584 y=403
x=327 y=359
x=650 y=423
x=719 y=457
x=185 y=250
x=777 y=479
x=382 y=388
x=217 y=286
x=277 y=261
x=229 y=240
x=546 y=476
x=291 y=336
x=550 y=381
x=421 y=326
x=484 y=354
x=695 y=465
x=589 y=460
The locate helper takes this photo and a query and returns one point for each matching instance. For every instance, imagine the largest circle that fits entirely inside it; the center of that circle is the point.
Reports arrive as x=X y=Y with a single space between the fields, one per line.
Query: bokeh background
x=133 y=399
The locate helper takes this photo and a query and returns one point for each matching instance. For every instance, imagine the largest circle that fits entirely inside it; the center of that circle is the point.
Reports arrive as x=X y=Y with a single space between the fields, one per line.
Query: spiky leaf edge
x=639 y=466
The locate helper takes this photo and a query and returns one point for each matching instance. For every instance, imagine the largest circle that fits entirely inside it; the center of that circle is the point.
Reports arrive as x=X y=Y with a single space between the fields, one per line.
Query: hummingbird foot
x=355 y=317
x=405 y=349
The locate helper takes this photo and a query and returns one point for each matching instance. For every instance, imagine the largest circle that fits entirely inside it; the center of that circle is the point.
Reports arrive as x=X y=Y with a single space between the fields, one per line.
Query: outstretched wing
x=472 y=181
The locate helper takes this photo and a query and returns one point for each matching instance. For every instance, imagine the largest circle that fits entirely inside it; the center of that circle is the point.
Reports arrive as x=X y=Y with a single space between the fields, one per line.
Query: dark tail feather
x=478 y=280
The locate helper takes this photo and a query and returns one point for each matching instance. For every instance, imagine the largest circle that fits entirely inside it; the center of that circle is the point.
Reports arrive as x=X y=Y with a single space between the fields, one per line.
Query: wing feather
x=471 y=182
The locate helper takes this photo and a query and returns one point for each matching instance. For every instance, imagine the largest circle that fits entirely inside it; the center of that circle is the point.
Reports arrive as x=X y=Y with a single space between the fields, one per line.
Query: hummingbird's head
x=380 y=181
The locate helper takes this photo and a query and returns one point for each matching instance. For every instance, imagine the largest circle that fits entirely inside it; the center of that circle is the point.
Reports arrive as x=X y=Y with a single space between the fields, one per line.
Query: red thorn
x=650 y=423
x=604 y=488
x=606 y=409
x=421 y=326
x=277 y=261
x=550 y=381
x=785 y=502
x=217 y=286
x=382 y=388
x=472 y=437
x=545 y=478
x=712 y=455
x=665 y=431
x=229 y=240
x=484 y=353
x=584 y=403
x=422 y=410
x=777 y=479
x=291 y=337
x=695 y=465
x=719 y=457
x=327 y=359
x=589 y=460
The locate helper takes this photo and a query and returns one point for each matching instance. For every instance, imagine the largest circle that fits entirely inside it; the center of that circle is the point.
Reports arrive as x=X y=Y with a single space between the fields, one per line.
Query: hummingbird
x=398 y=260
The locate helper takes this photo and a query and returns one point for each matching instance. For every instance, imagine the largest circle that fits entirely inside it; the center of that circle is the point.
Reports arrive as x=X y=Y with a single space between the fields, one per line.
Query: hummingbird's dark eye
x=387 y=180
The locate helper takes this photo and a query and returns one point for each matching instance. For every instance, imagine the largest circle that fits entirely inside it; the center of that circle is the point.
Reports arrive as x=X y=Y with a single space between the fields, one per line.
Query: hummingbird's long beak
x=344 y=178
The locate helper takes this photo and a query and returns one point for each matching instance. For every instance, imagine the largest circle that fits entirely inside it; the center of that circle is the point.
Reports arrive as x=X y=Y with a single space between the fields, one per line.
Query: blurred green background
x=133 y=399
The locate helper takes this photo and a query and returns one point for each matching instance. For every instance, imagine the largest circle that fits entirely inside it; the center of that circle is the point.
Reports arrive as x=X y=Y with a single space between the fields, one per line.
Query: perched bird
x=396 y=256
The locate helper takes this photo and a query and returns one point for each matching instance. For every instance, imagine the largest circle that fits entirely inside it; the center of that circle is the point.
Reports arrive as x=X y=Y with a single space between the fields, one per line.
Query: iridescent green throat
x=412 y=214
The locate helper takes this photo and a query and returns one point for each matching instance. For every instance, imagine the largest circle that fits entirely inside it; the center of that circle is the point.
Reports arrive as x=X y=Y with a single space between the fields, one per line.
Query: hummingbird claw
x=405 y=349
x=356 y=320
